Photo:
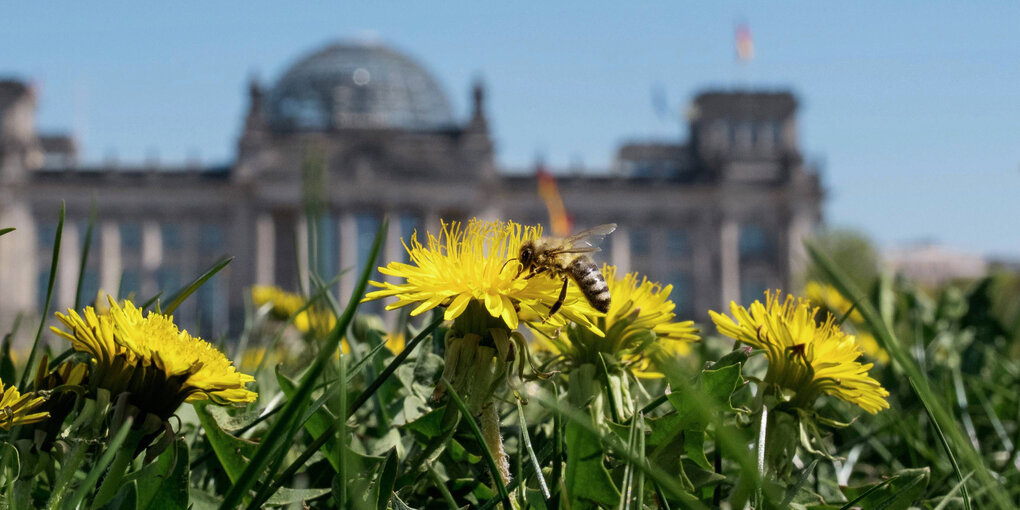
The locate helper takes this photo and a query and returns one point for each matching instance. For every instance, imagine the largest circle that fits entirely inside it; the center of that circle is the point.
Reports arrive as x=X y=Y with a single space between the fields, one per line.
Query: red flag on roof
x=559 y=221
x=745 y=44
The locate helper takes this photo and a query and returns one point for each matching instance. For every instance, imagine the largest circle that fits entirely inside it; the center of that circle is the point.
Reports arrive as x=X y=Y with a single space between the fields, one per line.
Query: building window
x=89 y=285
x=367 y=225
x=327 y=247
x=130 y=283
x=677 y=243
x=210 y=240
x=47 y=235
x=720 y=133
x=42 y=283
x=172 y=238
x=409 y=224
x=752 y=288
x=168 y=278
x=754 y=241
x=130 y=237
x=212 y=303
x=640 y=242
x=767 y=135
x=744 y=135
x=682 y=294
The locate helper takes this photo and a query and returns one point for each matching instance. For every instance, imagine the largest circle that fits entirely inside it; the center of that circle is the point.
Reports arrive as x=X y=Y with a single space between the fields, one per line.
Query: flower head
x=639 y=325
x=19 y=409
x=284 y=305
x=471 y=263
x=832 y=301
x=160 y=365
x=805 y=356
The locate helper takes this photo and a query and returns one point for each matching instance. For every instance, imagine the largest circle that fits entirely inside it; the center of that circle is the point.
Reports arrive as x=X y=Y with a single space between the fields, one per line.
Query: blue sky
x=913 y=110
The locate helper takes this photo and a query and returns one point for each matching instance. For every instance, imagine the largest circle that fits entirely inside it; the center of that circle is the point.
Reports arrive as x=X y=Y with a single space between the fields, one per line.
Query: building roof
x=357 y=85
x=744 y=104
x=11 y=91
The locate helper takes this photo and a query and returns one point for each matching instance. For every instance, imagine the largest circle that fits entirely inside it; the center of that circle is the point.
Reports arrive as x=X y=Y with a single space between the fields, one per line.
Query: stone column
x=265 y=249
x=704 y=244
x=110 y=266
x=729 y=246
x=152 y=258
x=348 y=253
x=301 y=234
x=621 y=251
x=67 y=268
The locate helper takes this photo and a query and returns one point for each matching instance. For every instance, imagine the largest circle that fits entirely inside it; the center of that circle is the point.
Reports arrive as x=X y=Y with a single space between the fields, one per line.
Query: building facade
x=352 y=133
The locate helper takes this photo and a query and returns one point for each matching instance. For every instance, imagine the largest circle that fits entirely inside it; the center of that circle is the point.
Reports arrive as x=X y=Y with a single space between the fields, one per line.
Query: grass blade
x=526 y=439
x=290 y=412
x=30 y=365
x=104 y=461
x=178 y=297
x=497 y=480
x=85 y=256
x=950 y=436
x=362 y=398
x=6 y=230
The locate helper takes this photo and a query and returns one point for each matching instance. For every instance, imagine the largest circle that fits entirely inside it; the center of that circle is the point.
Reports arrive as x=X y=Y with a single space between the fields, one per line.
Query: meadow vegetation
x=859 y=390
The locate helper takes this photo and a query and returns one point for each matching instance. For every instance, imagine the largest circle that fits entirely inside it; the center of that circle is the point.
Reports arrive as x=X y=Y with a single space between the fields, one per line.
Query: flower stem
x=108 y=489
x=494 y=441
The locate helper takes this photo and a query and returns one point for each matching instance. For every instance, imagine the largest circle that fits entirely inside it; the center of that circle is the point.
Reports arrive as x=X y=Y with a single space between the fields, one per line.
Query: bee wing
x=578 y=249
x=588 y=238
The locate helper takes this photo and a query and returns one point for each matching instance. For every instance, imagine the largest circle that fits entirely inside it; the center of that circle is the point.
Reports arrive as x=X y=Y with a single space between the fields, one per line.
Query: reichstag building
x=352 y=132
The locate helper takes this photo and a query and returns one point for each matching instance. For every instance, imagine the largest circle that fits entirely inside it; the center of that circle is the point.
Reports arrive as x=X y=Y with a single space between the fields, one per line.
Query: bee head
x=527 y=255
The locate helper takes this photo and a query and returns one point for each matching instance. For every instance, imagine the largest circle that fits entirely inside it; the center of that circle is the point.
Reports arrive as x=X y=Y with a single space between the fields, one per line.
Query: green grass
x=364 y=431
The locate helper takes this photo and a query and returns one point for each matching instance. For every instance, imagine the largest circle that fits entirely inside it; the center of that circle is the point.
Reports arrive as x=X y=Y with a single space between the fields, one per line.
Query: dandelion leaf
x=163 y=484
x=897 y=492
x=587 y=479
x=232 y=452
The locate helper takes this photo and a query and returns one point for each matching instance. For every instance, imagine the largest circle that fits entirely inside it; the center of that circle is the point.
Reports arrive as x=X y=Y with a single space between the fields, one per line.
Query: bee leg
x=536 y=272
x=559 y=301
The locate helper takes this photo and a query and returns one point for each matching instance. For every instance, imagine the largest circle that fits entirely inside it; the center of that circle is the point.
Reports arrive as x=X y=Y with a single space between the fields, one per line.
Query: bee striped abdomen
x=589 y=279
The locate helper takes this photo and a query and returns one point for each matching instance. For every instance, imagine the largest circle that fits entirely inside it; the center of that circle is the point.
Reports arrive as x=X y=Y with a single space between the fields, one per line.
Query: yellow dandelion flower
x=639 y=325
x=395 y=342
x=19 y=409
x=470 y=263
x=149 y=357
x=832 y=301
x=284 y=304
x=804 y=356
x=313 y=319
x=829 y=298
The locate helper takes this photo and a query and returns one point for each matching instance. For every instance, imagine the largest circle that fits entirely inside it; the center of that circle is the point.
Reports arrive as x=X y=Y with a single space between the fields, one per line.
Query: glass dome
x=357 y=85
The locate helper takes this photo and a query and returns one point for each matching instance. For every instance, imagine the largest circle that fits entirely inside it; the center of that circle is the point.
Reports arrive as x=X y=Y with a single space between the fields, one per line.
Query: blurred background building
x=353 y=132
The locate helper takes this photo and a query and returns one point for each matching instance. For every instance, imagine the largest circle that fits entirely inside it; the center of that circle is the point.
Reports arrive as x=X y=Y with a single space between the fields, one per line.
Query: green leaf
x=429 y=425
x=6 y=230
x=233 y=452
x=898 y=492
x=45 y=312
x=92 y=478
x=460 y=454
x=384 y=480
x=586 y=477
x=318 y=423
x=286 y=496
x=163 y=484
x=951 y=438
x=85 y=256
x=233 y=422
x=291 y=411
x=178 y=297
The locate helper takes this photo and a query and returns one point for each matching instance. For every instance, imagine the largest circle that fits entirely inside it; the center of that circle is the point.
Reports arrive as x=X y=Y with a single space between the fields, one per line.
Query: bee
x=567 y=258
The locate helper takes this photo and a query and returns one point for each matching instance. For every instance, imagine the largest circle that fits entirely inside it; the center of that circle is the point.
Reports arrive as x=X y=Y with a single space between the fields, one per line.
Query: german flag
x=745 y=44
x=560 y=222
